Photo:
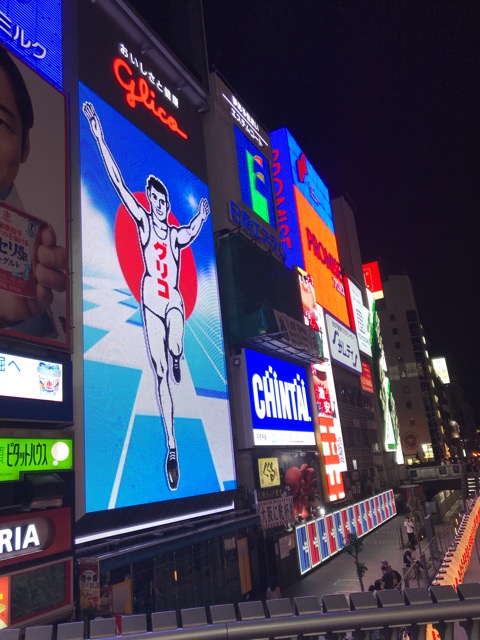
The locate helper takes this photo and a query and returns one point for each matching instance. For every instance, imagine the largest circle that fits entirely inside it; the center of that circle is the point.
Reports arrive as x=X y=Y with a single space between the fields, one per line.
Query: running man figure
x=161 y=300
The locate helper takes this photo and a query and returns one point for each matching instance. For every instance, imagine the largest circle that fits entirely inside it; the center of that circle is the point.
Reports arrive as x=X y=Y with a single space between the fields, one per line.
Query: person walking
x=410 y=529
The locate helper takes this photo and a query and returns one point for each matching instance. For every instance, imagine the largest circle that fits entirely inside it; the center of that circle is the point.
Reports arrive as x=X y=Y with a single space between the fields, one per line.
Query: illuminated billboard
x=330 y=438
x=343 y=344
x=34 y=208
x=35 y=390
x=305 y=223
x=254 y=175
x=33 y=31
x=22 y=455
x=440 y=368
x=373 y=279
x=279 y=403
x=382 y=383
x=358 y=315
x=156 y=410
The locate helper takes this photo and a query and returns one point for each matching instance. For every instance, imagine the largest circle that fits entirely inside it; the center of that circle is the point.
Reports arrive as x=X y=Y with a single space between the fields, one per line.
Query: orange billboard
x=320 y=254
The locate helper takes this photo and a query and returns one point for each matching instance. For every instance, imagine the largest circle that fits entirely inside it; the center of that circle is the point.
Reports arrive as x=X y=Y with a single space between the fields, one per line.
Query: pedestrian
x=410 y=529
x=408 y=558
x=273 y=589
x=390 y=578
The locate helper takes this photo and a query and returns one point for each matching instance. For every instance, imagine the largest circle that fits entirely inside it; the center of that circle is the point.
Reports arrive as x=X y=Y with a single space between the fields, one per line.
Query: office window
x=398 y=345
x=408 y=404
x=395 y=331
x=392 y=316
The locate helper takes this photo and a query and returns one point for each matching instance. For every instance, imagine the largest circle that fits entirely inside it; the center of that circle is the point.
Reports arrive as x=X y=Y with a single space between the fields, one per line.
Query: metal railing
x=363 y=615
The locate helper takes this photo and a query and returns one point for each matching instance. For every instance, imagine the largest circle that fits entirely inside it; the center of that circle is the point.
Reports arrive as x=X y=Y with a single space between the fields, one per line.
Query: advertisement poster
x=154 y=366
x=34 y=281
x=89 y=581
x=4 y=601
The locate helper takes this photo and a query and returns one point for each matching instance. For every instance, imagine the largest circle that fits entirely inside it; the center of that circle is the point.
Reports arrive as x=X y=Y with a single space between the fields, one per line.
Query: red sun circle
x=130 y=256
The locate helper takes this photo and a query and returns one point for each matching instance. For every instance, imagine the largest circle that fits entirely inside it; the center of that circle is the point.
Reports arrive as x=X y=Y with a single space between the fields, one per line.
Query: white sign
x=343 y=344
x=440 y=366
x=29 y=378
x=360 y=316
x=276 y=513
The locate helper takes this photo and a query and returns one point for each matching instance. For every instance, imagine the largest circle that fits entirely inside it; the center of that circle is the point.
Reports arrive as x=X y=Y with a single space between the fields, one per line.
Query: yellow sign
x=268 y=472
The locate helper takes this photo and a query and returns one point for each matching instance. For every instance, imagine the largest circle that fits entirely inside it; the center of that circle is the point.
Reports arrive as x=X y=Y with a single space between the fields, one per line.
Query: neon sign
x=139 y=92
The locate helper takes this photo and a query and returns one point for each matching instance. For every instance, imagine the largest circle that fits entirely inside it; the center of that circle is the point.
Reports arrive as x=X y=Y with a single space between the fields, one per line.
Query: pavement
x=338 y=574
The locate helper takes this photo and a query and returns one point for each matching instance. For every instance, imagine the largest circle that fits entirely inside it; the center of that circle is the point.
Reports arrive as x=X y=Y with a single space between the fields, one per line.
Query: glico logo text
x=138 y=92
x=274 y=398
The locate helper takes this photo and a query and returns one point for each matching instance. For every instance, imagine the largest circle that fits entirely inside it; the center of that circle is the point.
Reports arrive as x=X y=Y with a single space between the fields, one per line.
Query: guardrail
x=328 y=616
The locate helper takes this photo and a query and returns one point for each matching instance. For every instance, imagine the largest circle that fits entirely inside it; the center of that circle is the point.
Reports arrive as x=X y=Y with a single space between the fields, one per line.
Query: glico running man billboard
x=305 y=223
x=157 y=422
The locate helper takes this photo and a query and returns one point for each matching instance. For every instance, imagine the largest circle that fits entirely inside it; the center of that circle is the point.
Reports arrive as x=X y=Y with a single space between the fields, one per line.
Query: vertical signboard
x=387 y=402
x=323 y=538
x=34 y=283
x=156 y=400
x=314 y=543
x=303 y=549
x=358 y=320
x=330 y=438
x=306 y=222
x=254 y=175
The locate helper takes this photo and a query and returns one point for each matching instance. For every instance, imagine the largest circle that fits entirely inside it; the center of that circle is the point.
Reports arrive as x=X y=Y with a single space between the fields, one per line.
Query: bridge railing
x=330 y=616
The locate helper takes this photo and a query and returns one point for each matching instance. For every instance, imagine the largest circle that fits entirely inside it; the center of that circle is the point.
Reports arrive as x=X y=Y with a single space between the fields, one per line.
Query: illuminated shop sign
x=329 y=438
x=255 y=230
x=254 y=175
x=305 y=222
x=268 y=472
x=38 y=534
x=33 y=30
x=29 y=378
x=373 y=280
x=358 y=316
x=21 y=455
x=279 y=403
x=246 y=121
x=343 y=344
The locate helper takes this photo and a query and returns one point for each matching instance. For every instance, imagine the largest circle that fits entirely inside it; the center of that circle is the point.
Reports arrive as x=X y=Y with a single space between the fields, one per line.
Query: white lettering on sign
x=18 y=538
x=274 y=398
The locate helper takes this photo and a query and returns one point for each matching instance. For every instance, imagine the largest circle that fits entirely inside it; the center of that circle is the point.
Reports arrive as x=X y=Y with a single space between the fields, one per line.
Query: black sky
x=384 y=98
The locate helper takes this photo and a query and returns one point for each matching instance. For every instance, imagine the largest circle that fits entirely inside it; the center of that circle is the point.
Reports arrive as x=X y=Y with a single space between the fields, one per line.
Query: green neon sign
x=21 y=455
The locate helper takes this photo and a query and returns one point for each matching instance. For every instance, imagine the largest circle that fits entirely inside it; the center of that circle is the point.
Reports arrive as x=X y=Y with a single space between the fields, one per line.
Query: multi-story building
x=423 y=432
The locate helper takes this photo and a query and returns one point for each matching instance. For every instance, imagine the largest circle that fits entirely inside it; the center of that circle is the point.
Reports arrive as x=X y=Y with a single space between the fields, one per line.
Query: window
x=408 y=404
x=406 y=389
x=392 y=316
x=395 y=331
x=398 y=345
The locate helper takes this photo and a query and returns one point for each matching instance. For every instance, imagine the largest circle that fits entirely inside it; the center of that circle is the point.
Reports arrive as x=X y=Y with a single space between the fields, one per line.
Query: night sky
x=384 y=98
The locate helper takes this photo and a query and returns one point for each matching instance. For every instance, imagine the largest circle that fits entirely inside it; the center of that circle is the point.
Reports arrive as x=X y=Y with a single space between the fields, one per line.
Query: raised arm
x=189 y=232
x=116 y=178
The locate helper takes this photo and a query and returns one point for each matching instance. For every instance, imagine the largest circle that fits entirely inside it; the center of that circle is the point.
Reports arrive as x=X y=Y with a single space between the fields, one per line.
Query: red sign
x=366 y=379
x=373 y=281
x=36 y=534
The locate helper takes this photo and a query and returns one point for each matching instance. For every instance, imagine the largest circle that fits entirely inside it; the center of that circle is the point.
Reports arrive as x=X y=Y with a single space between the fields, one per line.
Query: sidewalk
x=338 y=575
